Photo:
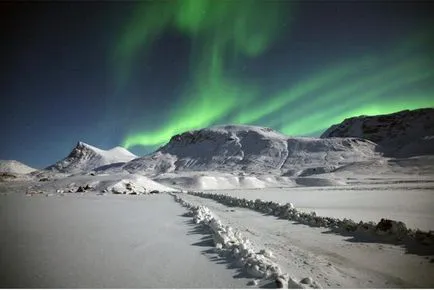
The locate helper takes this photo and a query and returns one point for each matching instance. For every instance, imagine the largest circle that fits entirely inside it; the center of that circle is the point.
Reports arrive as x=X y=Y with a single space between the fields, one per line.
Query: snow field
x=221 y=181
x=230 y=243
x=115 y=241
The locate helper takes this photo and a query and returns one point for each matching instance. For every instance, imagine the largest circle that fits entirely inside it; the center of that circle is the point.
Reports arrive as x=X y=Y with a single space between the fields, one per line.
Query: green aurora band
x=222 y=32
x=356 y=95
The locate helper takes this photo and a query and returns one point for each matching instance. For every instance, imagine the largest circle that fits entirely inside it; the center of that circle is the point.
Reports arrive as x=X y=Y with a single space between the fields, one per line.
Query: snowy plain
x=403 y=202
x=102 y=240
x=112 y=241
x=333 y=260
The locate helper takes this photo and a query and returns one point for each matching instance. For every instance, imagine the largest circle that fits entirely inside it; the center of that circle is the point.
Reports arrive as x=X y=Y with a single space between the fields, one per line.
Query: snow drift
x=137 y=185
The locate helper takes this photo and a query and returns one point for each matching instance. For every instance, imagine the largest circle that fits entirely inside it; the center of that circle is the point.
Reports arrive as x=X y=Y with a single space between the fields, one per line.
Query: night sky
x=136 y=73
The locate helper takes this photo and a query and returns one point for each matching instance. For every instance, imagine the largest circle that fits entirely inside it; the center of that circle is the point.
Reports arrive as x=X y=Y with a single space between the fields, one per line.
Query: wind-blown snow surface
x=85 y=157
x=402 y=134
x=104 y=242
x=14 y=167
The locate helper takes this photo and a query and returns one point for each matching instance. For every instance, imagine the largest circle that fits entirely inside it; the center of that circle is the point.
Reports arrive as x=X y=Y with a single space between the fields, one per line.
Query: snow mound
x=137 y=185
x=218 y=180
x=401 y=134
x=251 y=150
x=85 y=157
x=14 y=167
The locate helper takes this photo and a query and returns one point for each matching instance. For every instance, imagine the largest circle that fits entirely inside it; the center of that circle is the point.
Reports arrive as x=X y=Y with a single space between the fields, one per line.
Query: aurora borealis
x=137 y=73
x=224 y=34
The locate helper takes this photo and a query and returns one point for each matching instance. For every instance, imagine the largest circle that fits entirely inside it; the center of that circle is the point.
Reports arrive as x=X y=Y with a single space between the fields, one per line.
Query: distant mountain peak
x=401 y=134
x=15 y=167
x=251 y=150
x=85 y=157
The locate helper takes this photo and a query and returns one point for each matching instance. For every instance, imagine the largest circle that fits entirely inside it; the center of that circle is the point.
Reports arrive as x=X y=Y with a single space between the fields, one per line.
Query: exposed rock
x=7 y=175
x=307 y=280
x=391 y=227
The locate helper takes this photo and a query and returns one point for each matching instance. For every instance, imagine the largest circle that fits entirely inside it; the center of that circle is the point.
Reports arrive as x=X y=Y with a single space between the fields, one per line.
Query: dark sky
x=136 y=73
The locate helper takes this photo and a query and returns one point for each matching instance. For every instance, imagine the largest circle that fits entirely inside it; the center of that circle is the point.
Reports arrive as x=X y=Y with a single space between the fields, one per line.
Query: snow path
x=108 y=241
x=334 y=261
x=232 y=245
x=415 y=207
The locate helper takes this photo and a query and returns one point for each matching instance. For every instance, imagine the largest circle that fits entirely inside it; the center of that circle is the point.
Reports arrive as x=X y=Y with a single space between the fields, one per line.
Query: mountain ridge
x=401 y=134
x=85 y=157
x=250 y=149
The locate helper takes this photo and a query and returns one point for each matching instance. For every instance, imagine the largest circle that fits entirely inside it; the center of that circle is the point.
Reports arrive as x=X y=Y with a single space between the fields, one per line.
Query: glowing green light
x=220 y=30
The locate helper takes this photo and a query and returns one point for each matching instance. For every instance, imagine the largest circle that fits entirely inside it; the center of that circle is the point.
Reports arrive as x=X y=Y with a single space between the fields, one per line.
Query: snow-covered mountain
x=14 y=167
x=402 y=134
x=85 y=157
x=240 y=149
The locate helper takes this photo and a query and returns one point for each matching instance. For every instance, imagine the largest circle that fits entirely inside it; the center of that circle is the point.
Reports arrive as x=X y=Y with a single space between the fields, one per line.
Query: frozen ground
x=108 y=241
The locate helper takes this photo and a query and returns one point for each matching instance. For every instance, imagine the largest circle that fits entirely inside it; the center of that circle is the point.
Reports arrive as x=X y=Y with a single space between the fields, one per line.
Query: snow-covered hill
x=402 y=134
x=85 y=157
x=14 y=167
x=240 y=149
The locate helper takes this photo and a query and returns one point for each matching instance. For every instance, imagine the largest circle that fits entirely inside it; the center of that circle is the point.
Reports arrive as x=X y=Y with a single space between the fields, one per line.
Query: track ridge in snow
x=231 y=244
x=386 y=231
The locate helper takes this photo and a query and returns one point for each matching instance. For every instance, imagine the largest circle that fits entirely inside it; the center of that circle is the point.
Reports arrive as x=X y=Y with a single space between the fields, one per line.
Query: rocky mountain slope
x=85 y=157
x=240 y=149
x=402 y=134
